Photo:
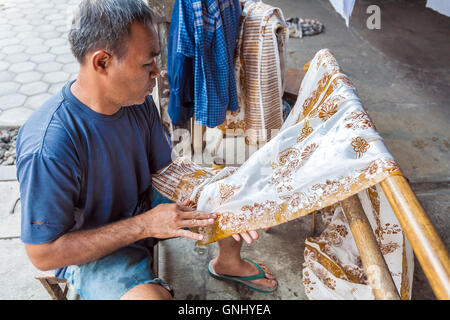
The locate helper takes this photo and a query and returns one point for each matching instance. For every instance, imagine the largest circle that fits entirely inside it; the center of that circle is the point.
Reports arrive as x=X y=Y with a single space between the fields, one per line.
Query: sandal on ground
x=246 y=281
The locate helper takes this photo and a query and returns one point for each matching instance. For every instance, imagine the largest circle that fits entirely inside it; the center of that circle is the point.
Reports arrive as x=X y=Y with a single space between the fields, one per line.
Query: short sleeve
x=49 y=190
x=160 y=150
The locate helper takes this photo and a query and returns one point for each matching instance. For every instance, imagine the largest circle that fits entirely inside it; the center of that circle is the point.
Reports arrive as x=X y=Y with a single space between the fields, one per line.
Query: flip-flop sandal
x=244 y=280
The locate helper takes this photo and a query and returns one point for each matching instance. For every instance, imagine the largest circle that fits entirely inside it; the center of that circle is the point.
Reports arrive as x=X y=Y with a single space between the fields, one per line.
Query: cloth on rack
x=441 y=6
x=344 y=8
x=333 y=269
x=260 y=73
x=180 y=75
x=200 y=60
x=303 y=27
x=327 y=150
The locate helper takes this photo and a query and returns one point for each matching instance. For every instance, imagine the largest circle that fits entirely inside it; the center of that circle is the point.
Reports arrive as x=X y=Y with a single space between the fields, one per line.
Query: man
x=85 y=160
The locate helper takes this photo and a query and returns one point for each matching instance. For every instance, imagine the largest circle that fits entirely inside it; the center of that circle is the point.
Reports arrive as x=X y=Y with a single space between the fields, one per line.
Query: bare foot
x=246 y=269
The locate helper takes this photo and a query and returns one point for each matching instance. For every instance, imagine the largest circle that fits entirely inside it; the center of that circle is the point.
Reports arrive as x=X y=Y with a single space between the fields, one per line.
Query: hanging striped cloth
x=259 y=72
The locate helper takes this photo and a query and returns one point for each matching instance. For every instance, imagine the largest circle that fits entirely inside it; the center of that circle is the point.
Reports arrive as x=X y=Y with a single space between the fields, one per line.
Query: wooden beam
x=162 y=10
x=377 y=271
x=53 y=289
x=198 y=141
x=293 y=81
x=426 y=243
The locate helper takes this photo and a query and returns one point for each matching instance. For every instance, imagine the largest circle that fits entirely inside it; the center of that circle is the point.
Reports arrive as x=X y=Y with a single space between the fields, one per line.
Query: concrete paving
x=35 y=57
x=401 y=77
x=16 y=271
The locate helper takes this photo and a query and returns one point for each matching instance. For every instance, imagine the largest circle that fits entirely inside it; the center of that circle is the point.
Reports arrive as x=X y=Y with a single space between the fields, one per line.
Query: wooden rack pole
x=378 y=273
x=426 y=243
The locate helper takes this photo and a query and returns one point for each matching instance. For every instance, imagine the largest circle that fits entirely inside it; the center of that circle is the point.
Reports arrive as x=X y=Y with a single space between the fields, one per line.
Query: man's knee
x=147 y=291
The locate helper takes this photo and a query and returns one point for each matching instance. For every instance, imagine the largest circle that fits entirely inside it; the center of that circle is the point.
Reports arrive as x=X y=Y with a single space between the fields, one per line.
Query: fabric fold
x=259 y=68
x=200 y=60
x=327 y=150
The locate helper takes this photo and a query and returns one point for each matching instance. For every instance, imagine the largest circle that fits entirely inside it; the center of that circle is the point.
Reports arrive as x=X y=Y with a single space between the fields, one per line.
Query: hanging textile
x=180 y=74
x=333 y=267
x=441 y=6
x=303 y=27
x=327 y=150
x=200 y=60
x=344 y=8
x=260 y=72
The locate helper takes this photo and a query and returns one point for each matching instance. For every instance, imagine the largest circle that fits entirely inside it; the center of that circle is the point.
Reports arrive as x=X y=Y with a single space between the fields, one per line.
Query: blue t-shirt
x=79 y=169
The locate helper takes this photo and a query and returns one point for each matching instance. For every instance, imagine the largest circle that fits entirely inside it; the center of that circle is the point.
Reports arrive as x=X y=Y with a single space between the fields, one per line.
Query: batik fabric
x=327 y=150
x=259 y=67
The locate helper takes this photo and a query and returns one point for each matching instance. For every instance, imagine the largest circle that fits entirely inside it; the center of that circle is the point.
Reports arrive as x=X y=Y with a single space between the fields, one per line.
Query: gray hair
x=105 y=24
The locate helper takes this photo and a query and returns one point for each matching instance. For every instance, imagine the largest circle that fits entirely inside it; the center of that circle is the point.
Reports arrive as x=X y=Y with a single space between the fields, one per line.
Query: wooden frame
x=377 y=271
x=52 y=285
x=425 y=241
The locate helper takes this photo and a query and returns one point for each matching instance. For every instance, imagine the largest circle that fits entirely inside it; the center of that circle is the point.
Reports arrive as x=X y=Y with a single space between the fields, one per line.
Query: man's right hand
x=169 y=220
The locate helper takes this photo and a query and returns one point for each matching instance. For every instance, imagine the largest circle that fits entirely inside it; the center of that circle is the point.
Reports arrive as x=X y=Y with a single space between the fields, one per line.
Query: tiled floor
x=35 y=57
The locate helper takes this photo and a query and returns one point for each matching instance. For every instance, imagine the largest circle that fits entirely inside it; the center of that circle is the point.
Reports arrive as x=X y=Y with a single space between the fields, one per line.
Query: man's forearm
x=80 y=247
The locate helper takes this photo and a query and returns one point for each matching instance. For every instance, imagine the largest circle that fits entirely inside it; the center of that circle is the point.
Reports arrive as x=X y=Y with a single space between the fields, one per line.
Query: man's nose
x=155 y=72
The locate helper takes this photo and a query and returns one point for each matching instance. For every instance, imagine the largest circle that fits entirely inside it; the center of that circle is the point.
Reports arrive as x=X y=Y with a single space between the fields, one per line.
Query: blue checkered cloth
x=202 y=39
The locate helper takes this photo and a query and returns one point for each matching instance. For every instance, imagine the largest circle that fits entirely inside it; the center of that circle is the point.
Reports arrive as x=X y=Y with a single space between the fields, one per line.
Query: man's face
x=133 y=77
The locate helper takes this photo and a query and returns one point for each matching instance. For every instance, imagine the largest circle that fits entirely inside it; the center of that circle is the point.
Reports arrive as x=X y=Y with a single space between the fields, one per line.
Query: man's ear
x=100 y=61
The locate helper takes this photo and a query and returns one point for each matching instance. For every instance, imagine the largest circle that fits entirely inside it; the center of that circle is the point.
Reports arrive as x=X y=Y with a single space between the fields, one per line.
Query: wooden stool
x=51 y=284
x=59 y=288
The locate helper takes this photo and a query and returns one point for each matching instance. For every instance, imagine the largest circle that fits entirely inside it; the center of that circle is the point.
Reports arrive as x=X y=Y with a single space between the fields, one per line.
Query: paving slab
x=34 y=48
x=22 y=67
x=8 y=87
x=12 y=100
x=6 y=75
x=34 y=88
x=183 y=265
x=44 y=57
x=17 y=58
x=14 y=285
x=8 y=41
x=27 y=77
x=10 y=222
x=17 y=274
x=15 y=116
x=49 y=67
x=7 y=173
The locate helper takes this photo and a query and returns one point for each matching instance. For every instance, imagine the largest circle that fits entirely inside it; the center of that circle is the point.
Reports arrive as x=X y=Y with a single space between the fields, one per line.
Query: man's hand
x=169 y=220
x=247 y=236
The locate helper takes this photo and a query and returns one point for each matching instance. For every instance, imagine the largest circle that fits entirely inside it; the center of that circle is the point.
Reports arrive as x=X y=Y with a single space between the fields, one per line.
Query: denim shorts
x=110 y=277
